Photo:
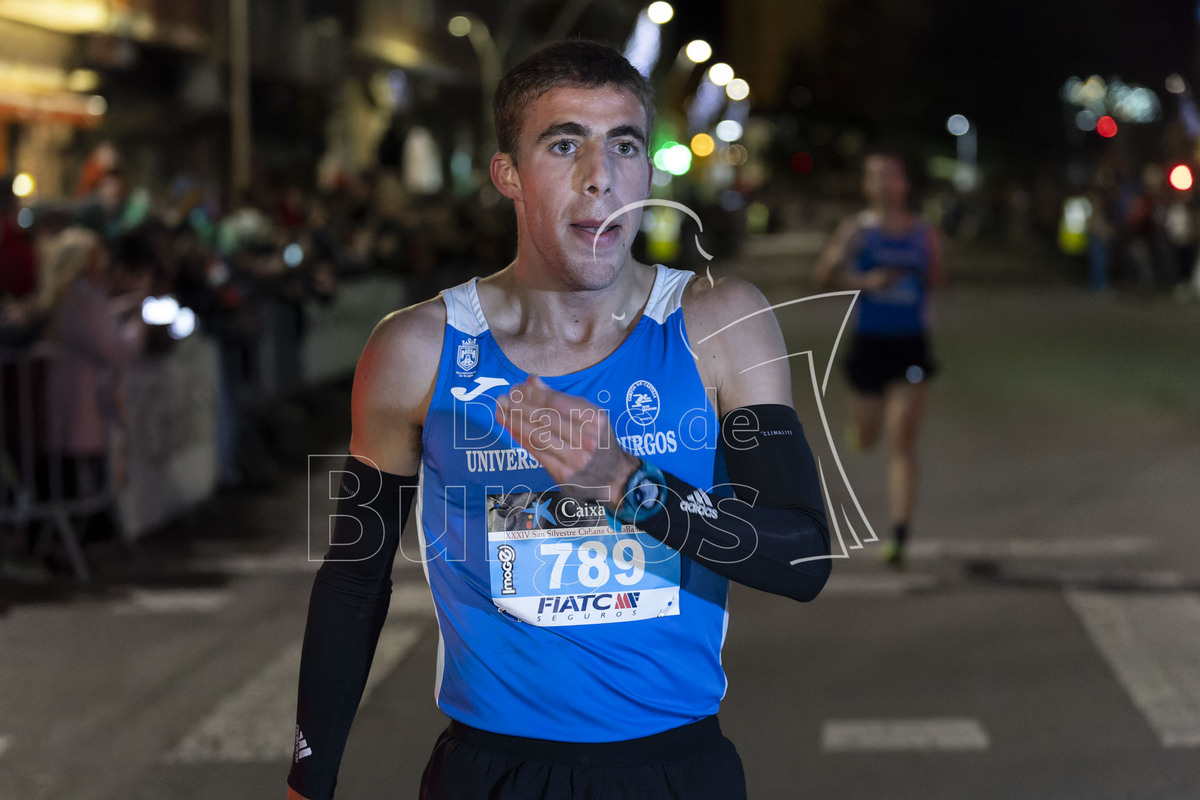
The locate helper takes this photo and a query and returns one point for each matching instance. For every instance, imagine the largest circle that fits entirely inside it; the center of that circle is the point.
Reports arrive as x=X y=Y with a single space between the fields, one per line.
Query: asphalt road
x=1044 y=641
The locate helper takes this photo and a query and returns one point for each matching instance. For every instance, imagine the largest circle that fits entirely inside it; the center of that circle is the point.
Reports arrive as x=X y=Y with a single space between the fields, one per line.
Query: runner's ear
x=505 y=176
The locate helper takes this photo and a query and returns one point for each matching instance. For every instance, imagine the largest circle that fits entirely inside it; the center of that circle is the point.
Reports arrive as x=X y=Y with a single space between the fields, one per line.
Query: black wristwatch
x=643 y=495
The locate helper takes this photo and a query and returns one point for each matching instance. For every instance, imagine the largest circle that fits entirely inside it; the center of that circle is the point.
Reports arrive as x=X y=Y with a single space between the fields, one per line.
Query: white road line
x=282 y=562
x=257 y=722
x=1152 y=643
x=5 y=743
x=173 y=601
x=876 y=735
x=1030 y=548
x=879 y=585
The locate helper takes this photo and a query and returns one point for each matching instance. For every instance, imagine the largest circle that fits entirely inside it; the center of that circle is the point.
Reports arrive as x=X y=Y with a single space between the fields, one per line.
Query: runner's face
x=581 y=156
x=884 y=180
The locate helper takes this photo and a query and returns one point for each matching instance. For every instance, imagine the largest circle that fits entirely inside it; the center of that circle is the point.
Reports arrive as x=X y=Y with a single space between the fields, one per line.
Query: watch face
x=647 y=492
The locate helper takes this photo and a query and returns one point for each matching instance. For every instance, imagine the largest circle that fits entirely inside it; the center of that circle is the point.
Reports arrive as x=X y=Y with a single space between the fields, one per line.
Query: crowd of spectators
x=1143 y=235
x=76 y=273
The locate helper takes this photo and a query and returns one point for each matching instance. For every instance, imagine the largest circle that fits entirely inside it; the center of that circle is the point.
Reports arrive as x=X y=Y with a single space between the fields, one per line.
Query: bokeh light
x=160 y=310
x=660 y=12
x=958 y=125
x=1106 y=126
x=698 y=51
x=736 y=155
x=23 y=185
x=459 y=26
x=1181 y=177
x=703 y=145
x=1176 y=84
x=729 y=130
x=720 y=73
x=293 y=255
x=737 y=89
x=674 y=158
x=183 y=325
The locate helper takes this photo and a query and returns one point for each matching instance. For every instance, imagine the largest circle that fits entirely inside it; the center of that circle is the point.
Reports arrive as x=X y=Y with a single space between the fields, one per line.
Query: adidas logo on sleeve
x=698 y=502
x=302 y=748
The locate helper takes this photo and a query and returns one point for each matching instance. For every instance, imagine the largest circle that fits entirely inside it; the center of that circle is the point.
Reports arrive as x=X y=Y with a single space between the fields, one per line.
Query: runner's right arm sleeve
x=349 y=603
x=773 y=535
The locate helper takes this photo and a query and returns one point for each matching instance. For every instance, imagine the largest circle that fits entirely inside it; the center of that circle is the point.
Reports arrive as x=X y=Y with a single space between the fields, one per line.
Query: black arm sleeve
x=349 y=603
x=773 y=535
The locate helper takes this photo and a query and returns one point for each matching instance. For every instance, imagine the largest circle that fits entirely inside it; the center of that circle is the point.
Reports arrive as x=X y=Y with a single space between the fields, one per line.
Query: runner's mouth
x=594 y=229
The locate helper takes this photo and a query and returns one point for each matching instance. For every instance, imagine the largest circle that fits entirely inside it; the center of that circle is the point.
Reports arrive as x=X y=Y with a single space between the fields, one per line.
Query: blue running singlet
x=552 y=625
x=899 y=310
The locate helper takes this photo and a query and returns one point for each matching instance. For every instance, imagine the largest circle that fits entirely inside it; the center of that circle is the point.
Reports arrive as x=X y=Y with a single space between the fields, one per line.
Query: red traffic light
x=1106 y=126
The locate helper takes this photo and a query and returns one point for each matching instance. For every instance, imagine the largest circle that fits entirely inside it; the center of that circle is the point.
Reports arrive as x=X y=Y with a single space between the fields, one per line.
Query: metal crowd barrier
x=42 y=490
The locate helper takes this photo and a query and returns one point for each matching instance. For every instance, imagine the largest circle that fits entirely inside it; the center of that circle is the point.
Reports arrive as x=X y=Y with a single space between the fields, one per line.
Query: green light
x=674 y=158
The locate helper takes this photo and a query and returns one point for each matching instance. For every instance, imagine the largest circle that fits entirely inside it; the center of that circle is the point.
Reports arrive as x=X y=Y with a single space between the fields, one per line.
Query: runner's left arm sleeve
x=773 y=534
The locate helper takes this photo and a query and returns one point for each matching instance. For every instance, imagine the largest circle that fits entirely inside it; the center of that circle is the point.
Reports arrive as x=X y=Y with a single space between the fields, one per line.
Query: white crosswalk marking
x=173 y=601
x=1030 y=548
x=1152 y=643
x=887 y=585
x=874 y=735
x=257 y=721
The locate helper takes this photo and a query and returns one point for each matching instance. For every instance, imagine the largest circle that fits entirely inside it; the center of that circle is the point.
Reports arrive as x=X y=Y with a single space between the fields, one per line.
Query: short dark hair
x=576 y=64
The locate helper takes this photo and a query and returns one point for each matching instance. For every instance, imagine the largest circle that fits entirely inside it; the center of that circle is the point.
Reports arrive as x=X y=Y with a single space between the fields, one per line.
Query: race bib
x=554 y=560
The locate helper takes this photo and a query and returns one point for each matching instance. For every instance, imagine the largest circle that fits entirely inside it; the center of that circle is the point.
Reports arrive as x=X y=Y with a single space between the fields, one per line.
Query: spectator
x=83 y=386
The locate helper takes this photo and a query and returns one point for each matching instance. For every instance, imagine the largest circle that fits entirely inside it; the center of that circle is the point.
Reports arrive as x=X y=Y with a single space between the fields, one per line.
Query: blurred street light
x=23 y=185
x=703 y=144
x=490 y=68
x=660 y=12
x=729 y=130
x=674 y=158
x=737 y=89
x=966 y=149
x=698 y=51
x=720 y=73
x=1181 y=177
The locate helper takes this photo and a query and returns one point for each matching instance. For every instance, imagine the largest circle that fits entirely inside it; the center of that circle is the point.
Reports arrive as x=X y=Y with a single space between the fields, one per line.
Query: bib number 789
x=628 y=557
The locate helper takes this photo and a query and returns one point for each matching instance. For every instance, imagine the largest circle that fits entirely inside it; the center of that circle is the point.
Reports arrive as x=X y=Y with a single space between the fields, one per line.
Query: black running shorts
x=876 y=361
x=692 y=762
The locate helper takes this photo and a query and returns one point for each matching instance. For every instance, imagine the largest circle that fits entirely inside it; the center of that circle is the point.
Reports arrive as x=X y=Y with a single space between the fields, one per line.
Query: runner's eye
x=626 y=148
x=564 y=147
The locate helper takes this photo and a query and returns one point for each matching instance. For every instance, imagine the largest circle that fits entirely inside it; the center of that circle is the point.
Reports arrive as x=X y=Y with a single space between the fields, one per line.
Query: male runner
x=895 y=259
x=579 y=561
